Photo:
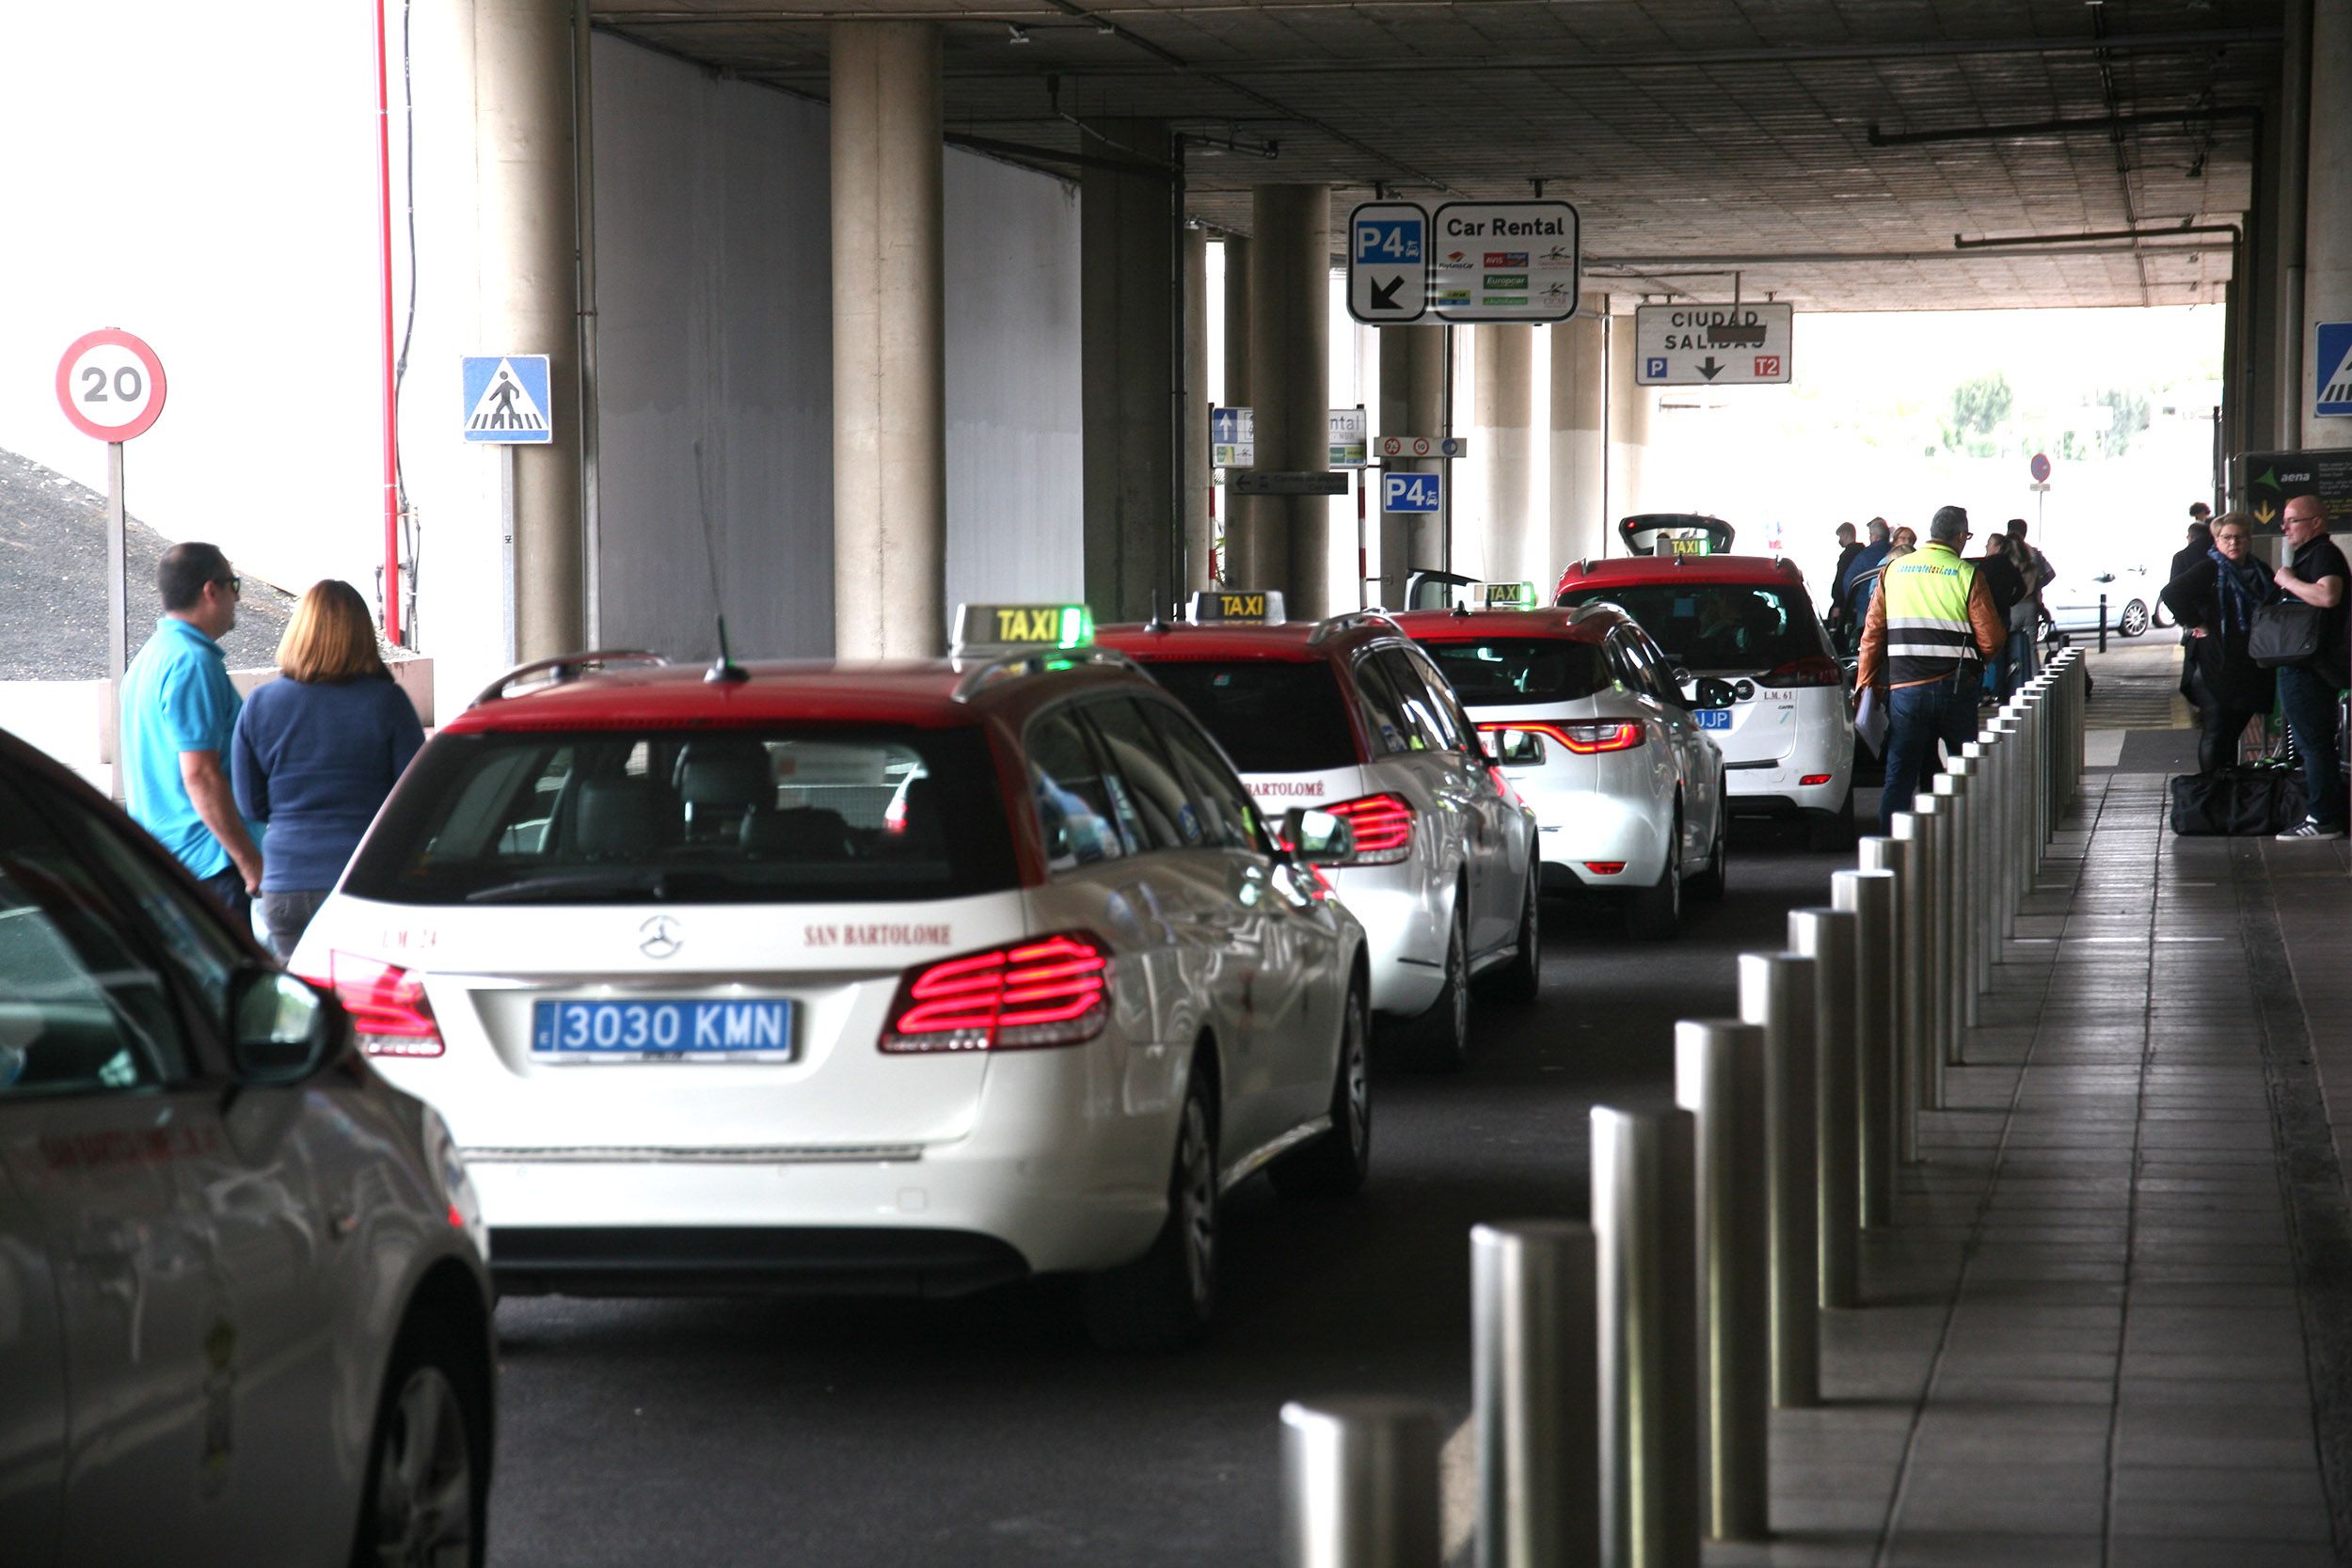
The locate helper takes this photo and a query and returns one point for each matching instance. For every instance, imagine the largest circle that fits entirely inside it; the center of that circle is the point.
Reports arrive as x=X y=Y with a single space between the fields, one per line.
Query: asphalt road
x=987 y=1431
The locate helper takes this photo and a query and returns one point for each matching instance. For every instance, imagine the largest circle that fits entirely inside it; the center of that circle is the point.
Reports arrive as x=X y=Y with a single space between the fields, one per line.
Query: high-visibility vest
x=1928 y=631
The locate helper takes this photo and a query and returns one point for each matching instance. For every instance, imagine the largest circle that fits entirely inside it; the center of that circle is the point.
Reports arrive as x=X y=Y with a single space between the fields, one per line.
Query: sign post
x=507 y=403
x=111 y=386
x=2039 y=468
x=1712 y=345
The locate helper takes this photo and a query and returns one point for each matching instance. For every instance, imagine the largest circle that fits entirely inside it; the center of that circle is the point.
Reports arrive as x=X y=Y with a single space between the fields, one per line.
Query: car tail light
x=1384 y=828
x=1813 y=779
x=1052 y=990
x=1815 y=671
x=389 y=1015
x=1604 y=868
x=1581 y=736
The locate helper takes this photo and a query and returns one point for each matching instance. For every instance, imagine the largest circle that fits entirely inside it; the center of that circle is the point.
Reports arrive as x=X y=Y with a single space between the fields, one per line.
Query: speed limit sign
x=110 y=385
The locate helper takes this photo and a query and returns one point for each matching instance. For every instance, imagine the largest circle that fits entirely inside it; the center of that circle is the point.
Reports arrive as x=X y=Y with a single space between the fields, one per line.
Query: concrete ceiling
x=1696 y=136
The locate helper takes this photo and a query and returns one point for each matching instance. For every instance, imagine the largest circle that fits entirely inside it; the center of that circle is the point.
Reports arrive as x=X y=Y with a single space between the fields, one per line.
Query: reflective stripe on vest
x=1928 y=631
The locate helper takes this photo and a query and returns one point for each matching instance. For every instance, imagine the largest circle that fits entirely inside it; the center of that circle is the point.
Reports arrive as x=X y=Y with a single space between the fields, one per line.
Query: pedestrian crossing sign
x=506 y=400
x=2332 y=365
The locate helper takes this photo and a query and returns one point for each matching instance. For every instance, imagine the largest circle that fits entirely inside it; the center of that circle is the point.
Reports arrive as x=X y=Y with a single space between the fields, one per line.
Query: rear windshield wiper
x=652 y=882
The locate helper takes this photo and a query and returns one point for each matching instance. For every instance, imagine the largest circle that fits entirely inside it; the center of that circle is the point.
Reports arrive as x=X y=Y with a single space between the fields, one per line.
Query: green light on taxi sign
x=1023 y=625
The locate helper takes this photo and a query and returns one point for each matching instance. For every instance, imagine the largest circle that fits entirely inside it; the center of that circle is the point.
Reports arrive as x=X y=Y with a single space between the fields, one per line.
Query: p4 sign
x=1388 y=262
x=1402 y=492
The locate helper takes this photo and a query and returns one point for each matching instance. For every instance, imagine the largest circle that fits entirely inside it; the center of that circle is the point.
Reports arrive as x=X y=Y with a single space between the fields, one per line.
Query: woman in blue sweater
x=315 y=753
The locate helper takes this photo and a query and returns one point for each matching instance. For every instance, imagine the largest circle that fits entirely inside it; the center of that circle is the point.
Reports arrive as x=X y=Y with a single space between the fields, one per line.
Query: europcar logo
x=1506 y=280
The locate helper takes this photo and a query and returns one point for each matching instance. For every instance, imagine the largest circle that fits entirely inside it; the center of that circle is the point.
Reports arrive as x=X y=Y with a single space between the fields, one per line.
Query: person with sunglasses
x=179 y=713
x=2214 y=600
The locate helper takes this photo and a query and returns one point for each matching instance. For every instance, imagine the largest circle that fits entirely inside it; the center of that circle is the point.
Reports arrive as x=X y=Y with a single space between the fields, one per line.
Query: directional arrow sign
x=1388 y=262
x=1720 y=345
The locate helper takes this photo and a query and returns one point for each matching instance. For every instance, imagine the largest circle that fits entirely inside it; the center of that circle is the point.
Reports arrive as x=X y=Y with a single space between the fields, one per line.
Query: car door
x=32 y=1370
x=195 y=1195
x=1696 y=761
x=1475 y=798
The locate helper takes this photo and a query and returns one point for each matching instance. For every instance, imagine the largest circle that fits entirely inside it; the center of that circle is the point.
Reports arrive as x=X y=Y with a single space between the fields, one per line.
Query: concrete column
x=1505 y=417
x=2295 y=129
x=2327 y=208
x=1282 y=541
x=1195 y=425
x=1235 y=392
x=889 y=363
x=529 y=291
x=1579 y=395
x=2258 y=401
x=1128 y=293
x=1629 y=407
x=1412 y=403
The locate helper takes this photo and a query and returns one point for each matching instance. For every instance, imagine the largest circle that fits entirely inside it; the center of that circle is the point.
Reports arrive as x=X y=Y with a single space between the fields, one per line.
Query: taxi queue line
x=1623 y=1368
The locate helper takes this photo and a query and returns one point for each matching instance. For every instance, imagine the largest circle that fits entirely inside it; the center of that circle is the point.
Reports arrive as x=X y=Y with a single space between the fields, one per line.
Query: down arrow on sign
x=1384 y=294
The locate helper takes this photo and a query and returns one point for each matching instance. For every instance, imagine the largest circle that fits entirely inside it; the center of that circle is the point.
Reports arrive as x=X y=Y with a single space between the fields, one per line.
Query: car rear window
x=1521 y=669
x=1270 y=716
x=789 y=815
x=1718 y=628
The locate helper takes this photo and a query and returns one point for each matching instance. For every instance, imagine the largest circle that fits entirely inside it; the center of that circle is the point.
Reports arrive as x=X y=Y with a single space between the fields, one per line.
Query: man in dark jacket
x=2006 y=585
x=1847 y=550
x=2186 y=559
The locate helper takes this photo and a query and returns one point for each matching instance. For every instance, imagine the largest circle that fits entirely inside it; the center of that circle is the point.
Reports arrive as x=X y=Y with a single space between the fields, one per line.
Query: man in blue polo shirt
x=178 y=714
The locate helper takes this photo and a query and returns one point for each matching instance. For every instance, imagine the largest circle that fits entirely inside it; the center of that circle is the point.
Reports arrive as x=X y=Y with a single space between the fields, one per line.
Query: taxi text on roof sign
x=1023 y=625
x=1695 y=544
x=1507 y=595
x=1238 y=604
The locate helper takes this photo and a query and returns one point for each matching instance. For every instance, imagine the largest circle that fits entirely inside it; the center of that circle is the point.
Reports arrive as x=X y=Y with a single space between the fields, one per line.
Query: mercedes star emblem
x=660 y=937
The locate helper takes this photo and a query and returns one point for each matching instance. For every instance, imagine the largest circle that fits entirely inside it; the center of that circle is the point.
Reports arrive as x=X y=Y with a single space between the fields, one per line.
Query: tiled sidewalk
x=2095 y=1332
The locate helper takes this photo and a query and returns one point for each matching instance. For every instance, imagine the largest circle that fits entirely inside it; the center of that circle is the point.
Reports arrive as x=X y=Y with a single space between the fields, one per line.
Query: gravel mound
x=53 y=582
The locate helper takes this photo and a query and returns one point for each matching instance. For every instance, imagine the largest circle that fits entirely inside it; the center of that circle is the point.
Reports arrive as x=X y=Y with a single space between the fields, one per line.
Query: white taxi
x=1599 y=739
x=1347 y=716
x=911 y=977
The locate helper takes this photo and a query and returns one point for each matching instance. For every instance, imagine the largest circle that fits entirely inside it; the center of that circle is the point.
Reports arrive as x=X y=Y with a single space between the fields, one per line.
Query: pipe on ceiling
x=2102 y=124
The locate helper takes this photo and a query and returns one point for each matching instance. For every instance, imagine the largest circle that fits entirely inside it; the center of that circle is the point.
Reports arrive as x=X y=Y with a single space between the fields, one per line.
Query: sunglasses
x=234 y=585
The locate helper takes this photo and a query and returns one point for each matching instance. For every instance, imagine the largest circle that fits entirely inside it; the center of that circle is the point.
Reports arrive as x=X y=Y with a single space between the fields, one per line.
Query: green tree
x=2127 y=416
x=1978 y=405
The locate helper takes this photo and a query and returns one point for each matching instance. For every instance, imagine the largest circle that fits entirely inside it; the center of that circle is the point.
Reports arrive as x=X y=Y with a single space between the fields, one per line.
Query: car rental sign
x=1466 y=262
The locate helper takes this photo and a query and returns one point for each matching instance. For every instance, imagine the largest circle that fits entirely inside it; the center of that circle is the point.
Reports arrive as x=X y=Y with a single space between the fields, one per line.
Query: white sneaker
x=2309 y=829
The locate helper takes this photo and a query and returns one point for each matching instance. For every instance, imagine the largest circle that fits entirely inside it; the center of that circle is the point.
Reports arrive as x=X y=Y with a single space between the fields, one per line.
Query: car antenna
x=723 y=669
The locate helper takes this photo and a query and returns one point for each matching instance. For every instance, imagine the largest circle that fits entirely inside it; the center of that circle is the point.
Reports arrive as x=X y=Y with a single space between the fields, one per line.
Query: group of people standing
x=2016 y=574
x=2218 y=589
x=263 y=798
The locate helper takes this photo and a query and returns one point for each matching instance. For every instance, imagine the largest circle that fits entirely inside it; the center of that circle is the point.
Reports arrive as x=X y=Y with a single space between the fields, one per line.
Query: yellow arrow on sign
x=2263 y=512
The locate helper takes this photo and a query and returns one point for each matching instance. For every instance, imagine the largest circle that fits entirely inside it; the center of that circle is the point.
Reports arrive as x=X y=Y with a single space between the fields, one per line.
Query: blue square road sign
x=1410 y=492
x=506 y=400
x=2331 y=367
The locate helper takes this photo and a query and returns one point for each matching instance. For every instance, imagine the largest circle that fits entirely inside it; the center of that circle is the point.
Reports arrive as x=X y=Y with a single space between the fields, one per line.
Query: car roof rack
x=563 y=668
x=1353 y=620
x=990 y=669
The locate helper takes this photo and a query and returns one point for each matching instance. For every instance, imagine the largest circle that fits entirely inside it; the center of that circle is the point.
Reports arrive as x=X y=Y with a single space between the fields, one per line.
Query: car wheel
x=1167 y=1298
x=429 y=1460
x=1337 y=1162
x=1831 y=830
x=2158 y=619
x=1521 y=978
x=1710 y=882
x=2134 y=619
x=1443 y=1045
x=1654 y=913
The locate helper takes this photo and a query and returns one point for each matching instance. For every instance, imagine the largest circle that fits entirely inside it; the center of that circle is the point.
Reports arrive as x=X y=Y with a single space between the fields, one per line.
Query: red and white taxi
x=908 y=977
x=1347 y=716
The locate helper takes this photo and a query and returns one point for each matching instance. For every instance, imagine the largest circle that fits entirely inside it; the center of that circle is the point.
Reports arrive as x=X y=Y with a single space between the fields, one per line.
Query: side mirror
x=1317 y=837
x=1716 y=692
x=1518 y=748
x=1681 y=675
x=281 y=1029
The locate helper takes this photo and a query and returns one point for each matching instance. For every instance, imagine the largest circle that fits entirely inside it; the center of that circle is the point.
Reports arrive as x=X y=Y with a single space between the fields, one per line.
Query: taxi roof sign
x=1022 y=626
x=1263 y=605
x=1504 y=595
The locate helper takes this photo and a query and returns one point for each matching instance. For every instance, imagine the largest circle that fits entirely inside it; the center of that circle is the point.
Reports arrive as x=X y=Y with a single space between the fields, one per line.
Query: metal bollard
x=1359 y=1484
x=1957 y=785
x=1776 y=990
x=1978 y=904
x=1926 y=1014
x=1645 y=1252
x=2002 y=888
x=1905 y=855
x=1871 y=894
x=1719 y=1078
x=1535 y=1372
x=1829 y=937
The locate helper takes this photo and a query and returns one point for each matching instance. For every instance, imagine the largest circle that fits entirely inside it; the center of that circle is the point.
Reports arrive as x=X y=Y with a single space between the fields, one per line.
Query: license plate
x=635 y=1031
x=1715 y=717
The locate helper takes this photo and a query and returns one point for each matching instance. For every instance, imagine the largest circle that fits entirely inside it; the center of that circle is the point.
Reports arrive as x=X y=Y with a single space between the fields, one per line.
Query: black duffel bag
x=2238 y=803
x=2285 y=633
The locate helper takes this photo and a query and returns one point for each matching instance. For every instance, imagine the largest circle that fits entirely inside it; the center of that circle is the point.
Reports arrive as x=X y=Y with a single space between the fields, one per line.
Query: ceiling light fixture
x=1019 y=34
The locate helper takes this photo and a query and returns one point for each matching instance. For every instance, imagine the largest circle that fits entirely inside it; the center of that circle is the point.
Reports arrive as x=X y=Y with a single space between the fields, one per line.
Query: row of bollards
x=1624 y=1370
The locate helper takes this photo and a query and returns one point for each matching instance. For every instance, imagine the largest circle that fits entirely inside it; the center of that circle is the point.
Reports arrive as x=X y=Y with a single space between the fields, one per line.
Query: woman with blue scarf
x=2215 y=598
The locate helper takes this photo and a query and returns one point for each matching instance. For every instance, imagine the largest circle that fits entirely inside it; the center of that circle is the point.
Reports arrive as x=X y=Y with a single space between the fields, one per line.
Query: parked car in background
x=2071 y=603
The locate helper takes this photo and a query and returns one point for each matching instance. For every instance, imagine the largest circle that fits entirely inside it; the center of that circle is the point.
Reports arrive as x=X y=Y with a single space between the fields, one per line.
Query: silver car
x=244 y=1315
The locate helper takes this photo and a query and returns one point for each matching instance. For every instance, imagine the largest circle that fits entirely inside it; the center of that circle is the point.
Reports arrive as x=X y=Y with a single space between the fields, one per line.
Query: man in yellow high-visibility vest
x=1932 y=624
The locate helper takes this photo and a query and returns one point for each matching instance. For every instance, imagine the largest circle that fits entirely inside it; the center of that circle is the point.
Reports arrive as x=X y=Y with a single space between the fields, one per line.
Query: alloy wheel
x=424 y=1485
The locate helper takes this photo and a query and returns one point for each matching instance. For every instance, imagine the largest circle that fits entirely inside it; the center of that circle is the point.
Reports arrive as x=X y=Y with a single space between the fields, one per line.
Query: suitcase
x=2238 y=803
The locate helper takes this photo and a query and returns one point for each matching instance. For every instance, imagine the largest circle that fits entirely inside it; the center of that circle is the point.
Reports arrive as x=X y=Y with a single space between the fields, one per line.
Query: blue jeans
x=1917 y=717
x=2308 y=698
